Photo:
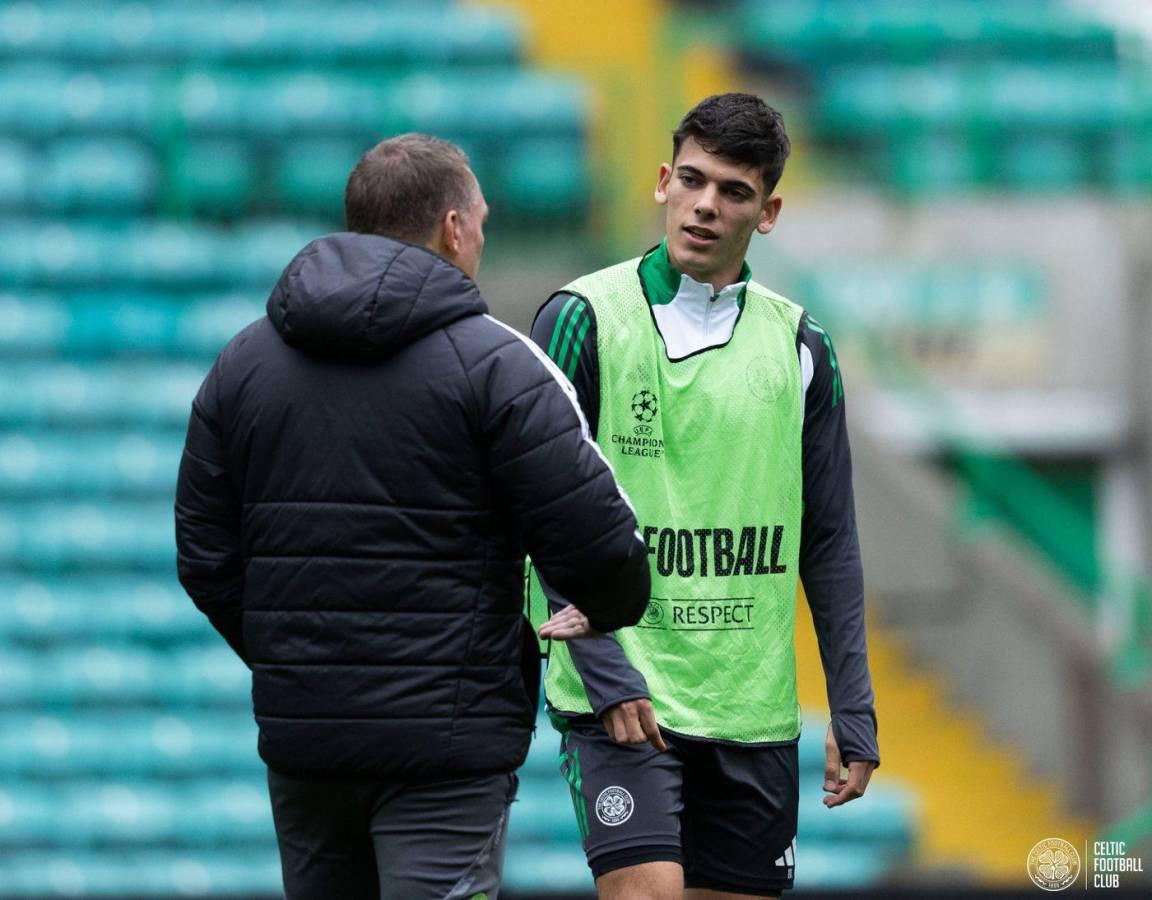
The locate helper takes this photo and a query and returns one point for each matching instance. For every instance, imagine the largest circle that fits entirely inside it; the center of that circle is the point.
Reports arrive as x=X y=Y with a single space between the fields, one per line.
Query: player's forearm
x=837 y=604
x=608 y=677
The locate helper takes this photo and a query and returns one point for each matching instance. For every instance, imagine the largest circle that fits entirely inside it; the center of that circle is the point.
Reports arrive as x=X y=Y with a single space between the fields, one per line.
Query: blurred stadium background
x=967 y=209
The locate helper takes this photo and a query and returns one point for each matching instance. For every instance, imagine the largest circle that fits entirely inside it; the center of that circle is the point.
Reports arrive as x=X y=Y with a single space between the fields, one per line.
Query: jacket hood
x=363 y=297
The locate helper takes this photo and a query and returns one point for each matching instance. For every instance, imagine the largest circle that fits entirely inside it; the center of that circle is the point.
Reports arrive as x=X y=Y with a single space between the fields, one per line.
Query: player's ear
x=769 y=213
x=665 y=176
x=450 y=231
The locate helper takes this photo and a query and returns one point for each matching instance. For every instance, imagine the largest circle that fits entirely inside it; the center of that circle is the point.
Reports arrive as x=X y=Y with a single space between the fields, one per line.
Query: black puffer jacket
x=364 y=471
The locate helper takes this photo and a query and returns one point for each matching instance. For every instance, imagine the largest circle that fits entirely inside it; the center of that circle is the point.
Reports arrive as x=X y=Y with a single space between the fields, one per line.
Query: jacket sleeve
x=830 y=566
x=208 y=537
x=574 y=519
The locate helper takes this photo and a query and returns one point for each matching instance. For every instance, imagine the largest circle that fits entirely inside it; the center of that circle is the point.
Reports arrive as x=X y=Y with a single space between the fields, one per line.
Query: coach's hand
x=843 y=789
x=633 y=722
x=569 y=624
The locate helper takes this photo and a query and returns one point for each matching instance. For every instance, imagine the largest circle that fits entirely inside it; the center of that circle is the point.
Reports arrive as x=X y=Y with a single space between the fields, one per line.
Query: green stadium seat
x=545 y=178
x=839 y=866
x=544 y=753
x=933 y=164
x=310 y=176
x=30 y=322
x=209 y=675
x=26 y=816
x=208 y=322
x=216 y=178
x=117 y=608
x=259 y=252
x=115 y=175
x=543 y=811
x=141 y=394
x=1127 y=161
x=545 y=868
x=1053 y=162
x=16 y=170
x=887 y=818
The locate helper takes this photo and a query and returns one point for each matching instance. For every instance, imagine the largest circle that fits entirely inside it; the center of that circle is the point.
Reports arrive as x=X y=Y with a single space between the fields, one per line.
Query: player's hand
x=842 y=790
x=633 y=722
x=569 y=624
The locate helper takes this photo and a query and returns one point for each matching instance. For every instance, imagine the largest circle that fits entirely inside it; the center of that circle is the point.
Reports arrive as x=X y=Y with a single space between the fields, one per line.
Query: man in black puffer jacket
x=365 y=469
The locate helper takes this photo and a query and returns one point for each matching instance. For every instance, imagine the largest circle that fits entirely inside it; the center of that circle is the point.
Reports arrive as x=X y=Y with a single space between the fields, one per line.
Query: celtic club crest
x=614 y=806
x=1053 y=864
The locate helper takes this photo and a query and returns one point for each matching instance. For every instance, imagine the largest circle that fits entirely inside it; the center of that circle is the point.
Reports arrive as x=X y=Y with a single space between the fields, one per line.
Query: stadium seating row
x=42 y=100
x=117 y=322
x=59 y=752
x=403 y=36
x=1004 y=97
x=123 y=322
x=823 y=32
x=150 y=252
x=118 y=393
x=123 y=676
x=234 y=810
x=228 y=177
x=159 y=873
x=202 y=871
x=120 y=608
x=102 y=464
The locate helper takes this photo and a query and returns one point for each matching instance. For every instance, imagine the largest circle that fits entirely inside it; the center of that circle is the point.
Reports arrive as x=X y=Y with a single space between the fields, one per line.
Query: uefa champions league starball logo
x=644 y=406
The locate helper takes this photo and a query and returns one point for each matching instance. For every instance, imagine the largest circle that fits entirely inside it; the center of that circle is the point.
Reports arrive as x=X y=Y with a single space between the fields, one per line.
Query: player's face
x=713 y=206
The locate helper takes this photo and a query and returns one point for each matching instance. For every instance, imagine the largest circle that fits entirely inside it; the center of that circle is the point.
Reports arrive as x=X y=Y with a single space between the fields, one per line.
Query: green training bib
x=709 y=450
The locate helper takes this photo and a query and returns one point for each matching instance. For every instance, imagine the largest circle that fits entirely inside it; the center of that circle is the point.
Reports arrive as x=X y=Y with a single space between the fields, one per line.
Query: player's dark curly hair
x=741 y=128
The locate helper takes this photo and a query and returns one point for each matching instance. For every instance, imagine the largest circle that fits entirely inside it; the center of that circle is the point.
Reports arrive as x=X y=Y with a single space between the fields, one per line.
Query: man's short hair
x=741 y=128
x=403 y=186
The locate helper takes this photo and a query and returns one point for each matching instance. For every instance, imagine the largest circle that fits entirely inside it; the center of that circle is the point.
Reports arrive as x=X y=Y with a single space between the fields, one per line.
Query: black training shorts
x=725 y=811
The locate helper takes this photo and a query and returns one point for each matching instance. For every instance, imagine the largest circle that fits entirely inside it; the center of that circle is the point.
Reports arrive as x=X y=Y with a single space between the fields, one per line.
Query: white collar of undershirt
x=698 y=318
